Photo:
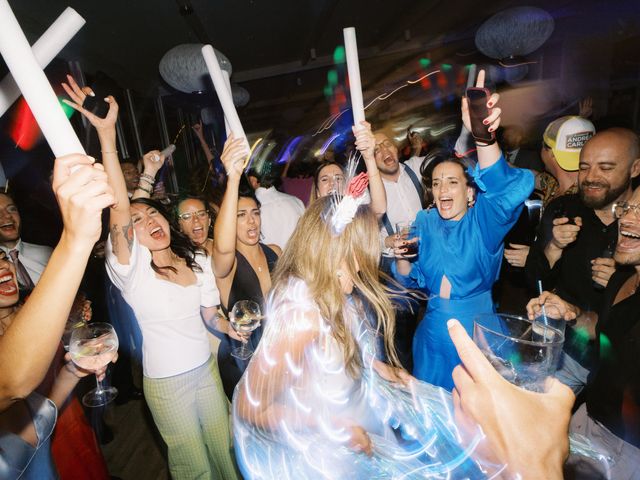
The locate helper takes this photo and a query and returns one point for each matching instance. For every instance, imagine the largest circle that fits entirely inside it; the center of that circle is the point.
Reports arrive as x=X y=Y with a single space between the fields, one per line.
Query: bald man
x=573 y=252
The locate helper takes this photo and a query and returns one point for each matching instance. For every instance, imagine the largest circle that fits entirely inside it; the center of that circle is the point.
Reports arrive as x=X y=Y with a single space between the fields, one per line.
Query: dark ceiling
x=281 y=50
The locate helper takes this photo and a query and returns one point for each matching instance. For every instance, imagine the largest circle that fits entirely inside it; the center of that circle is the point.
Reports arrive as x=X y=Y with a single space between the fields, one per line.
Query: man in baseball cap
x=565 y=137
x=563 y=140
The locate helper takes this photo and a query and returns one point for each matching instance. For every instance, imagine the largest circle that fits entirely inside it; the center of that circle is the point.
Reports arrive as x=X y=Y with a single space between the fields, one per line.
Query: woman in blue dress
x=460 y=245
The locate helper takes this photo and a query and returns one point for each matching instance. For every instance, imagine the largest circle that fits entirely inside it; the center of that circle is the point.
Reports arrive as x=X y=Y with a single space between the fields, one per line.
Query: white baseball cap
x=566 y=136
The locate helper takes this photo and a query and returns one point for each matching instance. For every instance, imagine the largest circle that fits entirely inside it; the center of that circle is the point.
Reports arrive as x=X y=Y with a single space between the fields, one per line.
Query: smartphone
x=96 y=104
x=560 y=212
x=478 y=111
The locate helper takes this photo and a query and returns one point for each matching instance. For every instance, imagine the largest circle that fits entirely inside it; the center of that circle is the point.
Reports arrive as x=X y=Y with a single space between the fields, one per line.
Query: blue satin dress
x=469 y=252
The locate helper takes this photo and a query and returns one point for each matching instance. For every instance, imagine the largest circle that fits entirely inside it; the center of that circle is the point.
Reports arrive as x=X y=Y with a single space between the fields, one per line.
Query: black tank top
x=245 y=286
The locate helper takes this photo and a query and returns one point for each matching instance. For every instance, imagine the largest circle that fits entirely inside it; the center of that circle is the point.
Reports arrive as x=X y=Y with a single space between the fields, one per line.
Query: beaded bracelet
x=148 y=177
x=148 y=190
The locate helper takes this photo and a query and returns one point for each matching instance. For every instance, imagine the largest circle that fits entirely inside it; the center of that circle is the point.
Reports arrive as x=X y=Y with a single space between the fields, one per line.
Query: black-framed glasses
x=189 y=216
x=621 y=209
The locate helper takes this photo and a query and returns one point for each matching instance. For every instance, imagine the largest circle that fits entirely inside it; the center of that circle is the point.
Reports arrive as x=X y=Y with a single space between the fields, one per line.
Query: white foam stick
x=224 y=95
x=227 y=80
x=45 y=49
x=353 y=67
x=167 y=152
x=35 y=87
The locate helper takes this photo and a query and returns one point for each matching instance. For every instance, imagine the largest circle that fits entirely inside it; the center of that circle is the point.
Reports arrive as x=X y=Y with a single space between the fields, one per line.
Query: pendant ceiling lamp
x=514 y=32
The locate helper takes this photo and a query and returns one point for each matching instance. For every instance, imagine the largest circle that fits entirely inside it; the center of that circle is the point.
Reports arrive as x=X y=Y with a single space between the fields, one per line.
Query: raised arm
x=120 y=225
x=224 y=230
x=365 y=143
x=487 y=154
x=29 y=344
x=199 y=132
x=153 y=162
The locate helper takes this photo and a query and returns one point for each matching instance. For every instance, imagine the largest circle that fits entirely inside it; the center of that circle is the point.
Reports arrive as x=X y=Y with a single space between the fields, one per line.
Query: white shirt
x=279 y=215
x=174 y=336
x=33 y=257
x=403 y=200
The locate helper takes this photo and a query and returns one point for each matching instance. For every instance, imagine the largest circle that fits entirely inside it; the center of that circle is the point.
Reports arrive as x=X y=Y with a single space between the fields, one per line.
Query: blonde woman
x=316 y=403
x=315 y=398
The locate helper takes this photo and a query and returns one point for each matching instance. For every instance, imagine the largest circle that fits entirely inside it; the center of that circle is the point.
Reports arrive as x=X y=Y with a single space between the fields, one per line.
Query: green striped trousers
x=191 y=412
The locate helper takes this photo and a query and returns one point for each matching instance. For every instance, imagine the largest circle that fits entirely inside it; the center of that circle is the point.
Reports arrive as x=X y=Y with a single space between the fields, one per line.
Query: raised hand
x=82 y=195
x=365 y=141
x=493 y=120
x=78 y=95
x=415 y=140
x=197 y=129
x=586 y=107
x=153 y=162
x=233 y=156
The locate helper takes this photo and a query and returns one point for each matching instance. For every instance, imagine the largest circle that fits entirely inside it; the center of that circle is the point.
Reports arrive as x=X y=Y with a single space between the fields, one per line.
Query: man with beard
x=572 y=254
x=610 y=417
x=401 y=184
x=405 y=195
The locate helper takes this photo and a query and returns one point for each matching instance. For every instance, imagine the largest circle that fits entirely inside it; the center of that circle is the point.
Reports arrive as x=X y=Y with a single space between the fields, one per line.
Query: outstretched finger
x=72 y=95
x=76 y=106
x=480 y=79
x=475 y=363
x=74 y=85
x=88 y=91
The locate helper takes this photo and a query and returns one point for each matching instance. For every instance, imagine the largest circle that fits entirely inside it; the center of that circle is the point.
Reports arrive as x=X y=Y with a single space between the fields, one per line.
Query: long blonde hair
x=314 y=255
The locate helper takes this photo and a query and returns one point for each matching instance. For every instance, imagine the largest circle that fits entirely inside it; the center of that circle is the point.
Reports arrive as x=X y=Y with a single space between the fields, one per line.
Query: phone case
x=478 y=111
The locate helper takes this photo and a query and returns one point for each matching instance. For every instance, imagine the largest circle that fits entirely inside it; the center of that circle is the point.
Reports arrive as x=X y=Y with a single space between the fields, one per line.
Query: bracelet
x=103 y=152
x=148 y=177
x=148 y=190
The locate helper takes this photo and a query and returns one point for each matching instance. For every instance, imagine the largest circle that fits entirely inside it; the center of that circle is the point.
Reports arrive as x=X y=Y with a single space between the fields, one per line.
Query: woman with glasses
x=195 y=222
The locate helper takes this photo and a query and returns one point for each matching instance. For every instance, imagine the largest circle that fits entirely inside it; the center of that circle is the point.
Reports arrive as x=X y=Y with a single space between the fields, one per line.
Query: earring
x=339 y=273
x=469 y=201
